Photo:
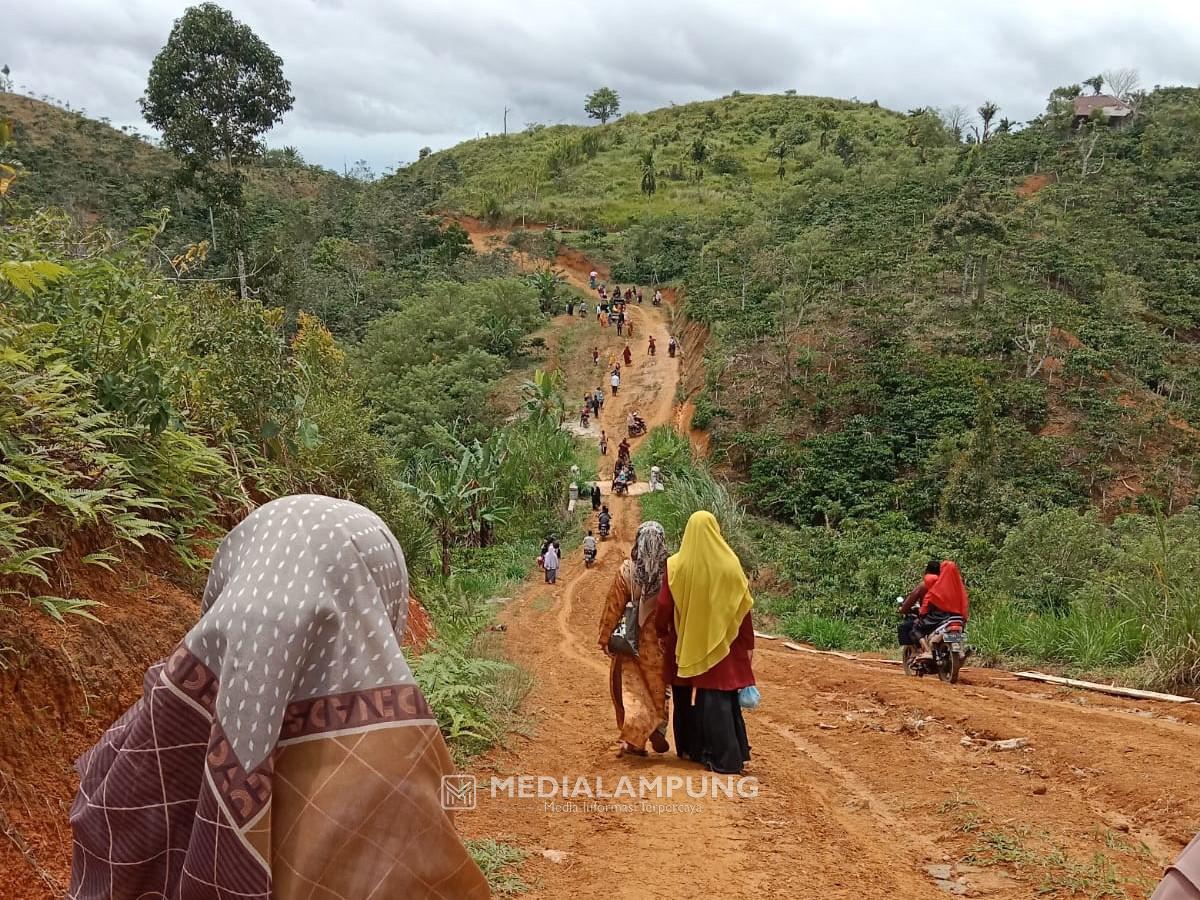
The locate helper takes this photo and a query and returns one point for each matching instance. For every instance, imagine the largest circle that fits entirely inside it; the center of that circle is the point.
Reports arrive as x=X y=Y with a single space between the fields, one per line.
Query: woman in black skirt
x=703 y=622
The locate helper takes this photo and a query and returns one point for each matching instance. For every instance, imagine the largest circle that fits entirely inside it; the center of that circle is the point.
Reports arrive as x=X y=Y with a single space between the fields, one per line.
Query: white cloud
x=377 y=80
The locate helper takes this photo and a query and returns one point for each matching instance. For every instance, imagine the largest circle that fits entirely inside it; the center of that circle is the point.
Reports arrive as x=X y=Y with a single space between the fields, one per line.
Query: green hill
x=704 y=153
x=96 y=172
x=918 y=342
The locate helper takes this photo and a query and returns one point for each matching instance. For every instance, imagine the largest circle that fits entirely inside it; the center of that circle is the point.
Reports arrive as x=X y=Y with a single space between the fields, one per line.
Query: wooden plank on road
x=1105 y=688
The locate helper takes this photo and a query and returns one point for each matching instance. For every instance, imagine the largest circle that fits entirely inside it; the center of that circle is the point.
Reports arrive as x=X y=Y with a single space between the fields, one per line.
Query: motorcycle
x=605 y=527
x=947 y=643
x=637 y=429
x=589 y=558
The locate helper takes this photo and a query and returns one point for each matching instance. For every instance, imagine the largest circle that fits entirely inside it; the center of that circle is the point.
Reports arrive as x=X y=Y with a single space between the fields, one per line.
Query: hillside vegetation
x=145 y=406
x=922 y=341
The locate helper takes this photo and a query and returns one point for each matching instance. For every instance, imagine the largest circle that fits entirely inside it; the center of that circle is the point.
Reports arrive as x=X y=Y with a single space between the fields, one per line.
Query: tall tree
x=925 y=131
x=214 y=90
x=1060 y=106
x=956 y=118
x=968 y=224
x=1122 y=83
x=603 y=103
x=1096 y=83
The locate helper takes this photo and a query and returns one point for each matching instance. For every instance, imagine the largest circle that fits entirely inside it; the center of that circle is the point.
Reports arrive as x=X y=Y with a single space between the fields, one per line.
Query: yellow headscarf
x=711 y=596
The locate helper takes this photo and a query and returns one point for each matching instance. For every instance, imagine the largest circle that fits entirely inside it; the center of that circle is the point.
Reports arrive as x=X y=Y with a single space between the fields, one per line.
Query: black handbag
x=624 y=639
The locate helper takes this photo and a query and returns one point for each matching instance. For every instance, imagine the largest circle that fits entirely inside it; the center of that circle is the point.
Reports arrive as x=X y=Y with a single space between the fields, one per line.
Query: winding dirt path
x=870 y=784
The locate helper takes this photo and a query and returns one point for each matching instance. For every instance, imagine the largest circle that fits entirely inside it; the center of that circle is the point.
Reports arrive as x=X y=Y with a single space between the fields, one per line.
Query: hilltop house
x=1118 y=113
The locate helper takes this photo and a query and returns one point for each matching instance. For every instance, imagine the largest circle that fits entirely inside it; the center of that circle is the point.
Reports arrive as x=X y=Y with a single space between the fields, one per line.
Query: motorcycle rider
x=605 y=520
x=621 y=481
x=942 y=595
x=589 y=546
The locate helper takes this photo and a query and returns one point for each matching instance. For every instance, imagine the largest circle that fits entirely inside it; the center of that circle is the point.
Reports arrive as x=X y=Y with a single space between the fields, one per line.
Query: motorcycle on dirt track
x=589 y=558
x=605 y=527
x=947 y=642
x=637 y=429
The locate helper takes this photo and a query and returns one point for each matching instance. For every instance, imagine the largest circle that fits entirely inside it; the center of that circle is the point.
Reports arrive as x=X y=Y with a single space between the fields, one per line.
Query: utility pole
x=506 y=121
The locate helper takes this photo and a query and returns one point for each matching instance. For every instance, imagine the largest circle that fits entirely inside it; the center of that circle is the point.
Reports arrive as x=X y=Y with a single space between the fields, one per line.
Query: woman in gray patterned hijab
x=639 y=693
x=283 y=749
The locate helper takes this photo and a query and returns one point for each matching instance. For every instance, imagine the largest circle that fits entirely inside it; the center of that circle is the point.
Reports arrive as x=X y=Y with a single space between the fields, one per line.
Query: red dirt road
x=869 y=783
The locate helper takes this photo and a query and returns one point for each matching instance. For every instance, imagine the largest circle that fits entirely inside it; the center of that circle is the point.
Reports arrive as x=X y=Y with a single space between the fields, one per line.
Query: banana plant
x=543 y=397
x=445 y=493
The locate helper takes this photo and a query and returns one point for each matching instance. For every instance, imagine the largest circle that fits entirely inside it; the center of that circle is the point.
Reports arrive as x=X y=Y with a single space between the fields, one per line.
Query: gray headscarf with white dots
x=307 y=597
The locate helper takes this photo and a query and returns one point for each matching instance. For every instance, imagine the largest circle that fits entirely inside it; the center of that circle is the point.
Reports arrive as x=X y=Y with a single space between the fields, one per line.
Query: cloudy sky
x=378 y=79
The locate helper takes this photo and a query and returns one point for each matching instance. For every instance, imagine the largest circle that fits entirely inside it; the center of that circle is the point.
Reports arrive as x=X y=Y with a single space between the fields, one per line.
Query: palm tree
x=987 y=112
x=1096 y=83
x=649 y=183
x=1004 y=126
x=780 y=152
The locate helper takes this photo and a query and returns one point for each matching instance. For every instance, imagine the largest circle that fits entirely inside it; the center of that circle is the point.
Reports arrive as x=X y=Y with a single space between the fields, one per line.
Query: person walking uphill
x=628 y=356
x=550 y=561
x=639 y=693
x=276 y=750
x=703 y=620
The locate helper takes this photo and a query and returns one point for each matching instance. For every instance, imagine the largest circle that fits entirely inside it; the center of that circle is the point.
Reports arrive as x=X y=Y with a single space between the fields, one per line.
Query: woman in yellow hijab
x=703 y=621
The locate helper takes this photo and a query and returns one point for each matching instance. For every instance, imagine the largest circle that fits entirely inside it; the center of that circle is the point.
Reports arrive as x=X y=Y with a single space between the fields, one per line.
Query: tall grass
x=690 y=487
x=1089 y=636
x=1165 y=592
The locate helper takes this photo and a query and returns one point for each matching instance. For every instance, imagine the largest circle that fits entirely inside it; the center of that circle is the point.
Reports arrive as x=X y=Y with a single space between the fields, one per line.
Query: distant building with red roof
x=1116 y=112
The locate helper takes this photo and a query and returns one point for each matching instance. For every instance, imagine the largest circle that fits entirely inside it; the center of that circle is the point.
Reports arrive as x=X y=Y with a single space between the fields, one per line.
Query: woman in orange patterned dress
x=639 y=692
